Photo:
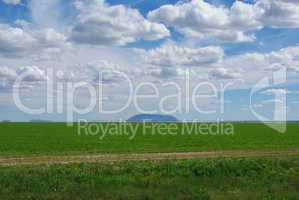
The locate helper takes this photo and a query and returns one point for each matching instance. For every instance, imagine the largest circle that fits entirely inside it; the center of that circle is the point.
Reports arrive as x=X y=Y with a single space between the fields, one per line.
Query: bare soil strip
x=93 y=158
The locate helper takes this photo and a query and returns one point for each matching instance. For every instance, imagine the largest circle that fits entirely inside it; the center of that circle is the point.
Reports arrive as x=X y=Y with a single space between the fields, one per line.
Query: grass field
x=186 y=179
x=205 y=178
x=57 y=138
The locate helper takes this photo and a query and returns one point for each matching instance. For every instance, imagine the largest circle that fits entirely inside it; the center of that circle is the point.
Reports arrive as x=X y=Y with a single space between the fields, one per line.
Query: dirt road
x=37 y=160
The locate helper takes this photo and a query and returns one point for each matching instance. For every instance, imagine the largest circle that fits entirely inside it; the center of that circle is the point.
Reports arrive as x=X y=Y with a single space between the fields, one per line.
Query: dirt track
x=36 y=160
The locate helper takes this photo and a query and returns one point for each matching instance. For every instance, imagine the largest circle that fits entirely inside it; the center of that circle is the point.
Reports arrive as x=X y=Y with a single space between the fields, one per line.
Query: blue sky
x=222 y=42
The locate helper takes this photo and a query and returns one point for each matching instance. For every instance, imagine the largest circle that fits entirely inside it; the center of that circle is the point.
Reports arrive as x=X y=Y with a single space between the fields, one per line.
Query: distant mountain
x=152 y=118
x=39 y=121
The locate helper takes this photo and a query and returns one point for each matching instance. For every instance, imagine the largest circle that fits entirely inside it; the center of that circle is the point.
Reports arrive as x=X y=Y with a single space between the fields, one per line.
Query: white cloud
x=256 y=105
x=7 y=76
x=15 y=41
x=271 y=101
x=200 y=19
x=50 y=38
x=253 y=67
x=101 y=24
x=65 y=76
x=165 y=72
x=238 y=23
x=170 y=55
x=224 y=73
x=33 y=73
x=273 y=91
x=260 y=64
x=7 y=73
x=280 y=13
x=245 y=17
x=13 y=2
x=249 y=66
x=104 y=71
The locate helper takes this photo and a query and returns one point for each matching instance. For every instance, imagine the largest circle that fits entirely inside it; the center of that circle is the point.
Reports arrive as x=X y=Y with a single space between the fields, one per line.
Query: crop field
x=22 y=139
x=246 y=179
x=142 y=161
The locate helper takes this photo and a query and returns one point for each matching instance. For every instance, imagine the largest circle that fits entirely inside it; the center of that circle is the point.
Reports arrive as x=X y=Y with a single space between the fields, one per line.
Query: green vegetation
x=57 y=138
x=189 y=179
x=246 y=178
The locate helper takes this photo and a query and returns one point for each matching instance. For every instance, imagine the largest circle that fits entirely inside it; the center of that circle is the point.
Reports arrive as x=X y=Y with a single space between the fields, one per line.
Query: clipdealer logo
x=279 y=117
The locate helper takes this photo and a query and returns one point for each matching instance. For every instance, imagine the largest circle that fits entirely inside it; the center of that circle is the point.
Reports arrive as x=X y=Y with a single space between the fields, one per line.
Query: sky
x=207 y=60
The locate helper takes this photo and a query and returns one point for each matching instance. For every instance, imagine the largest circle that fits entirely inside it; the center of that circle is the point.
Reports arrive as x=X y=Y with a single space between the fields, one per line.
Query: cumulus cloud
x=32 y=73
x=224 y=73
x=101 y=24
x=65 y=76
x=285 y=58
x=13 y=2
x=280 y=13
x=201 y=19
x=279 y=66
x=271 y=101
x=171 y=60
x=7 y=76
x=272 y=91
x=50 y=38
x=7 y=73
x=282 y=91
x=15 y=41
x=104 y=71
x=165 y=72
x=170 y=55
x=257 y=66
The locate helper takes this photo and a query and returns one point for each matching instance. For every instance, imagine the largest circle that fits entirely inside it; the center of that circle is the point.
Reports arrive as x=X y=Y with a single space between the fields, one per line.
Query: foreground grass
x=57 y=138
x=265 y=178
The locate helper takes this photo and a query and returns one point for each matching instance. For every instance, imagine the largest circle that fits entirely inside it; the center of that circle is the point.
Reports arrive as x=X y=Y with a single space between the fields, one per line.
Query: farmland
x=25 y=139
x=242 y=178
x=140 y=161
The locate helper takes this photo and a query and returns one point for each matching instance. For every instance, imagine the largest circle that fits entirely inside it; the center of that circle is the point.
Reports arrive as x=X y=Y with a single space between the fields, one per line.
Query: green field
x=57 y=138
x=203 y=179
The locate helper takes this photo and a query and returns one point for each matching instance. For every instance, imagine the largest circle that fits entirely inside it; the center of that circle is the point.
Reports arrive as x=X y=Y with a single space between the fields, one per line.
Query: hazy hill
x=152 y=118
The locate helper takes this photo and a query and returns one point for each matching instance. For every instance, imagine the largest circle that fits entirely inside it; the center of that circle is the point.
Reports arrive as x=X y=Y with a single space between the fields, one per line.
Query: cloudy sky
x=149 y=50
